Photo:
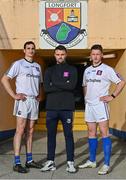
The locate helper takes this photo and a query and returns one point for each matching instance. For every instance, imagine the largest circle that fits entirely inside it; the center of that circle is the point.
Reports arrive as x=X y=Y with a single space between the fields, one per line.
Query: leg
x=92 y=137
x=92 y=140
x=92 y=129
x=107 y=145
x=21 y=122
x=67 y=121
x=20 y=126
x=29 y=138
x=104 y=128
x=93 y=143
x=51 y=123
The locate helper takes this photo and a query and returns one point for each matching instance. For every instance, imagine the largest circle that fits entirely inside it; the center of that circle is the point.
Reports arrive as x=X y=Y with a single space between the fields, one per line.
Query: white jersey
x=28 y=76
x=97 y=81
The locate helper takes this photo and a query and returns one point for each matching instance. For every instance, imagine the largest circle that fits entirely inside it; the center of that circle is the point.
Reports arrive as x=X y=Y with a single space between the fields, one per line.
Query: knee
x=92 y=133
x=51 y=130
x=68 y=134
x=30 y=132
x=20 y=131
x=52 y=133
x=104 y=132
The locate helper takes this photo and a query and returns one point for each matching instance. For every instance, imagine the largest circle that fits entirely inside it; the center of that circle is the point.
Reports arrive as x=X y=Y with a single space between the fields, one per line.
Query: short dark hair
x=27 y=43
x=97 y=47
x=60 y=47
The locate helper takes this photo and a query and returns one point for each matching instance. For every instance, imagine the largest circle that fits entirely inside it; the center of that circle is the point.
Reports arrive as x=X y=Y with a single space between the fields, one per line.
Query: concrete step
x=76 y=127
x=79 y=123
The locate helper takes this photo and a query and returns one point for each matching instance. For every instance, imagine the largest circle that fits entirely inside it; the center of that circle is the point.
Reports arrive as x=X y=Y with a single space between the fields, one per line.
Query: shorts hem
x=33 y=119
x=97 y=121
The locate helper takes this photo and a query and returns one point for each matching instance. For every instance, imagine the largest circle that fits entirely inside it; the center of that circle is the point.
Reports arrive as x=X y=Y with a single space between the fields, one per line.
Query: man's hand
x=20 y=96
x=39 y=98
x=106 y=99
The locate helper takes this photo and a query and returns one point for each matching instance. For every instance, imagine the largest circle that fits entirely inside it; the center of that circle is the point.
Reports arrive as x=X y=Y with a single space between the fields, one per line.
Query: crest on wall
x=63 y=24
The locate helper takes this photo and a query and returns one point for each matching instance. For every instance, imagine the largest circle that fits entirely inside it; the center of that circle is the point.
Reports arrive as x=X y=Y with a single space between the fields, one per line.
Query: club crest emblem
x=99 y=72
x=63 y=24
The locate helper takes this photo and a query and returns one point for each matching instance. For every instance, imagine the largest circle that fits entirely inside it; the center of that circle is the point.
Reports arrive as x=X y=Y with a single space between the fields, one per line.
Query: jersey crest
x=99 y=72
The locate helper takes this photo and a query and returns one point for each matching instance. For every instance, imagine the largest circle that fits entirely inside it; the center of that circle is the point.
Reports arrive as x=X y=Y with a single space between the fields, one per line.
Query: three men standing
x=59 y=83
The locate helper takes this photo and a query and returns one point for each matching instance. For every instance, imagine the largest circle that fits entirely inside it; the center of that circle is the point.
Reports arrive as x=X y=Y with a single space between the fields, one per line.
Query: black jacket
x=59 y=84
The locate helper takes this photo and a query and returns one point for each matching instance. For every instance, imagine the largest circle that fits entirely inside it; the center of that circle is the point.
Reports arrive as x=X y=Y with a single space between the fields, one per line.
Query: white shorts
x=97 y=113
x=26 y=109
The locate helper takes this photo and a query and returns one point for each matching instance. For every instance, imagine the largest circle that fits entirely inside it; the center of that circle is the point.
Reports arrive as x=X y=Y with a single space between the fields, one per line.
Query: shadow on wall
x=4 y=39
x=119 y=133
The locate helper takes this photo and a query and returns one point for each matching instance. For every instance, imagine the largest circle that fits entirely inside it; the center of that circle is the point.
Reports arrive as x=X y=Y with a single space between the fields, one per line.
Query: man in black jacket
x=59 y=83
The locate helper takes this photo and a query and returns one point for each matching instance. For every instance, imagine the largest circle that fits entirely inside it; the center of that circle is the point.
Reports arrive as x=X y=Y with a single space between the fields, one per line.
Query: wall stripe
x=118 y=133
x=6 y=134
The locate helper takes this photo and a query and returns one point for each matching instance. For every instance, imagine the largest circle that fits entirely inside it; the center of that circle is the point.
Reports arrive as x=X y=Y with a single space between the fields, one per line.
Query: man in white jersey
x=28 y=94
x=96 y=82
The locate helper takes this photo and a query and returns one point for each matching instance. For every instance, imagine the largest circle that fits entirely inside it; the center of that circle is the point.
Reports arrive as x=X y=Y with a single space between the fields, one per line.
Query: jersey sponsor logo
x=93 y=80
x=32 y=75
x=99 y=72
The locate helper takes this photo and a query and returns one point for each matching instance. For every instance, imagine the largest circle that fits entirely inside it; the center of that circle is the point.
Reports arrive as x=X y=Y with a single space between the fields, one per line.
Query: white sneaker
x=70 y=167
x=48 y=166
x=104 y=170
x=88 y=164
